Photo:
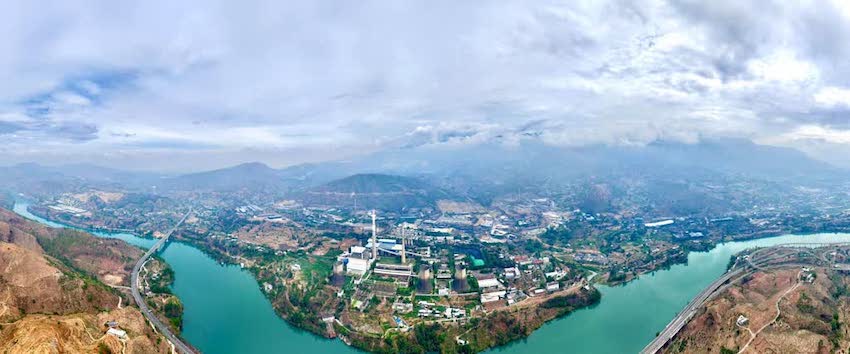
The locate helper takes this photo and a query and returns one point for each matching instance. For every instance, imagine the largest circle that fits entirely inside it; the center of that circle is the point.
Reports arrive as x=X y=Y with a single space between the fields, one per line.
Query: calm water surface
x=628 y=317
x=224 y=310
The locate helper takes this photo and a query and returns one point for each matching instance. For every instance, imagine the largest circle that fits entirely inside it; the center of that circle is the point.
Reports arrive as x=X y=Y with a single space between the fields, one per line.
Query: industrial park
x=597 y=177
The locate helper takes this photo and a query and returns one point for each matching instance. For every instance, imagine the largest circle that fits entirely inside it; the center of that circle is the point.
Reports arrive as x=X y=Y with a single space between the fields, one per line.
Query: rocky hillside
x=812 y=319
x=108 y=260
x=52 y=298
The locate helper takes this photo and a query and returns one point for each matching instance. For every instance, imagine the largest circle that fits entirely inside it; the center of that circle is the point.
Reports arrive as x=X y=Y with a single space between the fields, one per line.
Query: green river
x=224 y=309
x=225 y=312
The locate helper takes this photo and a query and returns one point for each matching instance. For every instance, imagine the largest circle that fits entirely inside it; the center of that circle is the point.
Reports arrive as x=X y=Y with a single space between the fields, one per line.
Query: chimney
x=374 y=236
x=403 y=253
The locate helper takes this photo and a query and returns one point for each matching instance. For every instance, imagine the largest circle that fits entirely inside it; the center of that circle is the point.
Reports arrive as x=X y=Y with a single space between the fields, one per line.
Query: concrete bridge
x=140 y=301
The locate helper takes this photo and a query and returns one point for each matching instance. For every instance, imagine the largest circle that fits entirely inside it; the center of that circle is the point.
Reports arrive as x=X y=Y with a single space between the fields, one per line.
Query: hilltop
x=672 y=177
x=253 y=176
x=374 y=191
x=812 y=320
x=53 y=296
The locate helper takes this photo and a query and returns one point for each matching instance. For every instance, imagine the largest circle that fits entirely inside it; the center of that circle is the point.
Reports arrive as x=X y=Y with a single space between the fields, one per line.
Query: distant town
x=343 y=260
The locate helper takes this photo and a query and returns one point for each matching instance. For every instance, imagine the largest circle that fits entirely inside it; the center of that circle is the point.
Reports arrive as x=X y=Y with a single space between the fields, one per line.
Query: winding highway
x=143 y=306
x=755 y=261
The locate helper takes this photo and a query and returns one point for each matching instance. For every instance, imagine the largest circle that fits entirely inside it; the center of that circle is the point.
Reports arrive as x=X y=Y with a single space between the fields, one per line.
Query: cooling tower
x=425 y=286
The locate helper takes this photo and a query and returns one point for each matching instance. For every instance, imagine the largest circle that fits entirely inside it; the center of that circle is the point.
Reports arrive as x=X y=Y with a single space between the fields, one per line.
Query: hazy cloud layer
x=183 y=85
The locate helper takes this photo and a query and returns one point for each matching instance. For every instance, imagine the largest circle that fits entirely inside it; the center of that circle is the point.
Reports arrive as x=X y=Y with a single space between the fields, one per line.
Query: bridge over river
x=140 y=301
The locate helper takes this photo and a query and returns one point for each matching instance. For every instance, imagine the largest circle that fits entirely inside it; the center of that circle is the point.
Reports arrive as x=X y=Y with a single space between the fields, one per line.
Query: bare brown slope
x=812 y=316
x=29 y=283
x=47 y=306
x=109 y=260
x=80 y=333
x=14 y=235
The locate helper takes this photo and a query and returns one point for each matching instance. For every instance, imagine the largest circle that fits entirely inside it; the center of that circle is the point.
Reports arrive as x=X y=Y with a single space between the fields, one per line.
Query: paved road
x=137 y=296
x=757 y=260
x=685 y=315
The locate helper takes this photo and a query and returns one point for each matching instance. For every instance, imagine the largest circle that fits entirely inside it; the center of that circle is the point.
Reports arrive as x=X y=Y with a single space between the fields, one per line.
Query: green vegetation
x=682 y=345
x=804 y=304
x=570 y=302
x=162 y=285
x=836 y=334
x=103 y=349
x=560 y=234
x=492 y=259
x=840 y=288
x=473 y=283
x=615 y=274
x=724 y=350
x=315 y=269
x=404 y=291
x=533 y=246
x=173 y=310
x=429 y=336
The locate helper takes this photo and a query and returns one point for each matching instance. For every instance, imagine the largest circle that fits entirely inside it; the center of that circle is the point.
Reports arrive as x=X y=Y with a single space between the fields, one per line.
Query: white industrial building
x=356 y=261
x=489 y=283
x=492 y=296
x=659 y=223
x=117 y=332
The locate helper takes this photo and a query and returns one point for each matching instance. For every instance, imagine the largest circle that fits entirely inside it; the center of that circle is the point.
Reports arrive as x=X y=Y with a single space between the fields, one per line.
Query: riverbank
x=224 y=311
x=44 y=213
x=682 y=258
x=216 y=321
x=640 y=332
x=159 y=278
x=509 y=326
x=60 y=286
x=305 y=300
x=163 y=314
x=636 y=311
x=503 y=327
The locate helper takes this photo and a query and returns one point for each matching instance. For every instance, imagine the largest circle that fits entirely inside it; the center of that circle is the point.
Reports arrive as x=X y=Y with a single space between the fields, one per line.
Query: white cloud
x=70 y=98
x=832 y=96
x=227 y=77
x=819 y=133
x=783 y=67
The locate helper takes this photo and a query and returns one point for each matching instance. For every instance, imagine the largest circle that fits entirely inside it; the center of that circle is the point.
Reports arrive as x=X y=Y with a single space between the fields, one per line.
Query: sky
x=191 y=85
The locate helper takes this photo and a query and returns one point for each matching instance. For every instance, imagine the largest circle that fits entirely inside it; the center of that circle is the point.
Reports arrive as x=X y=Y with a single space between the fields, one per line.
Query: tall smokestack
x=374 y=236
x=403 y=253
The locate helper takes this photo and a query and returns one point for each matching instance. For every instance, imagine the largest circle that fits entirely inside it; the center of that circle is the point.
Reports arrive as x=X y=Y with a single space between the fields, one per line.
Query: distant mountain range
x=374 y=191
x=247 y=176
x=481 y=172
x=485 y=171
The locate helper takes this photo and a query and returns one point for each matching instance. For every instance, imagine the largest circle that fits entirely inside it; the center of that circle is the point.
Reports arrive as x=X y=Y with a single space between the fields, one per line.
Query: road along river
x=224 y=309
x=628 y=316
x=225 y=312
